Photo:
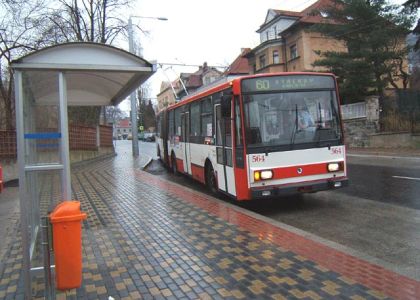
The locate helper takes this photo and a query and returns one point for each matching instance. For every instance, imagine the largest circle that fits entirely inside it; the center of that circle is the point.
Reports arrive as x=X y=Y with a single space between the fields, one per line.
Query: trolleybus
x=258 y=136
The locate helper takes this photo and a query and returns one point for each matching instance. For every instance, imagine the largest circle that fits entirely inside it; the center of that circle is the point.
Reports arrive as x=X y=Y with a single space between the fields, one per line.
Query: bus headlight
x=266 y=174
x=334 y=167
x=263 y=175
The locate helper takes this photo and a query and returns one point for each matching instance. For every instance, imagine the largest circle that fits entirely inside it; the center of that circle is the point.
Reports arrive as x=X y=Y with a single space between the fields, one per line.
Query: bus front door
x=224 y=167
x=185 y=124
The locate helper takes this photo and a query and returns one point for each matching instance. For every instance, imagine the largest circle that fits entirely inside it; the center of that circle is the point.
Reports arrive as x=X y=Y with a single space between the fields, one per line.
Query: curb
x=389 y=156
x=150 y=159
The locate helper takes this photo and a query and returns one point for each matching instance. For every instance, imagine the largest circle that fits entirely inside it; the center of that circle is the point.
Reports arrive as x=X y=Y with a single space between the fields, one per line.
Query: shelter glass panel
x=41 y=117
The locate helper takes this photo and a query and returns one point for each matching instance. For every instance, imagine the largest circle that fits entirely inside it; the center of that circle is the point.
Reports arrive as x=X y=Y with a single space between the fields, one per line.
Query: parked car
x=149 y=136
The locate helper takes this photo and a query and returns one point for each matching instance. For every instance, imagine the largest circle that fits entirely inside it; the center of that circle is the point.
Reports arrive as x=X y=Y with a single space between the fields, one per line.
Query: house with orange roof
x=287 y=44
x=170 y=92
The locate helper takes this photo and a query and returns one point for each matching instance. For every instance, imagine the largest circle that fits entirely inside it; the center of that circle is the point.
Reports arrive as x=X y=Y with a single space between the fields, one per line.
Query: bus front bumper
x=297 y=188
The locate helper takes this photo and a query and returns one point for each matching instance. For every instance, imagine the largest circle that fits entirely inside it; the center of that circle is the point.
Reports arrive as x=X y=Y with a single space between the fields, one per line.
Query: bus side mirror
x=226 y=105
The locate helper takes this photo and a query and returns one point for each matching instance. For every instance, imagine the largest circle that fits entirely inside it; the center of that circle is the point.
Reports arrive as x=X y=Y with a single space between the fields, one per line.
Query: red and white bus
x=258 y=136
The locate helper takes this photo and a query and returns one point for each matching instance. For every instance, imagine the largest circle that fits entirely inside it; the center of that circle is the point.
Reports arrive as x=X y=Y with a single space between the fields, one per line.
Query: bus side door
x=185 y=125
x=224 y=166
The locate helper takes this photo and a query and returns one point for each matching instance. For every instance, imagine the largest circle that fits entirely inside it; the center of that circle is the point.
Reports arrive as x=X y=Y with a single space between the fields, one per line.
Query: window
x=276 y=57
x=195 y=119
x=238 y=124
x=159 y=126
x=206 y=118
x=293 y=51
x=262 y=61
x=178 y=121
x=209 y=79
x=171 y=123
x=238 y=135
x=324 y=14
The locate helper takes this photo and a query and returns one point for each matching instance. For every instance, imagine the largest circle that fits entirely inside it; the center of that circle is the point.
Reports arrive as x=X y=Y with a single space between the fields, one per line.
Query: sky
x=212 y=31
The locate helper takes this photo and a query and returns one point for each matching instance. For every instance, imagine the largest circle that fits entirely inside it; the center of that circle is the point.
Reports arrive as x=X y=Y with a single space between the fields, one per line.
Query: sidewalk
x=147 y=238
x=401 y=152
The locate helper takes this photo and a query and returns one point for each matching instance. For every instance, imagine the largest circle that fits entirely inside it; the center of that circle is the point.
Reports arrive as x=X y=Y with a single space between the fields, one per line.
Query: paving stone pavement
x=146 y=238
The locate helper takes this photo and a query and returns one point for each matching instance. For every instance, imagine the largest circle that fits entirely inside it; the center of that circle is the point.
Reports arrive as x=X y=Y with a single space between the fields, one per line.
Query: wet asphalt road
x=392 y=183
x=377 y=215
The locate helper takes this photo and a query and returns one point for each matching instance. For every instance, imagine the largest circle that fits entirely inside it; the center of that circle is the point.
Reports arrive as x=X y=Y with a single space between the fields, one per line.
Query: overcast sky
x=200 y=31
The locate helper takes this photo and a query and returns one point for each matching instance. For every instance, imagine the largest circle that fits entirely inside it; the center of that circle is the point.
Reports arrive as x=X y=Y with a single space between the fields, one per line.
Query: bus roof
x=236 y=81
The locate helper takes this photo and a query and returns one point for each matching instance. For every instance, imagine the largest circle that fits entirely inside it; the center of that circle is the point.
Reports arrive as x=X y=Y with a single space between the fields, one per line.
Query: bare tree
x=114 y=114
x=29 y=25
x=20 y=22
x=90 y=20
x=99 y=21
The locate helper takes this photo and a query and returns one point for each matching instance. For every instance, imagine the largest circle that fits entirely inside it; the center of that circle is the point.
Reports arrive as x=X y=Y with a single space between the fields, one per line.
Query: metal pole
x=23 y=198
x=134 y=128
x=64 y=149
x=49 y=291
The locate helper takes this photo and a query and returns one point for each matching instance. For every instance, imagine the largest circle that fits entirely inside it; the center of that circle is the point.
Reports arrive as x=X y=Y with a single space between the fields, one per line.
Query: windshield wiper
x=295 y=128
x=319 y=116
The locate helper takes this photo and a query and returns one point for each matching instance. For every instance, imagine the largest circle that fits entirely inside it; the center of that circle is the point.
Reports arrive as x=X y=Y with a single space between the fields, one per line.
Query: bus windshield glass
x=292 y=120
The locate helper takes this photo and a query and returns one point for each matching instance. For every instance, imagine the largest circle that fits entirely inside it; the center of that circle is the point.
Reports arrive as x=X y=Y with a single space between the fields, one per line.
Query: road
x=385 y=179
x=378 y=215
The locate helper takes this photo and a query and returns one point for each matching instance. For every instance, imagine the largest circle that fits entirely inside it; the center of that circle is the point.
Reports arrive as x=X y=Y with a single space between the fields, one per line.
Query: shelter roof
x=96 y=74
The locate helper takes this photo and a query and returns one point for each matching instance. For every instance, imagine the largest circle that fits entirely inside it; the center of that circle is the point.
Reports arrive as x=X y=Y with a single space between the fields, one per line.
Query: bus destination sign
x=285 y=83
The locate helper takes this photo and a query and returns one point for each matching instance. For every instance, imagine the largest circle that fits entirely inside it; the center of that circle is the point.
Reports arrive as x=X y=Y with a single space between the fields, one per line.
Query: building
x=286 y=44
x=122 y=129
x=171 y=92
x=240 y=66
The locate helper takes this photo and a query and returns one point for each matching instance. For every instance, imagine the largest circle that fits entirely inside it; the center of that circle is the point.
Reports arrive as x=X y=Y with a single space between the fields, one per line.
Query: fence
x=105 y=136
x=80 y=138
x=353 y=111
x=7 y=144
x=401 y=113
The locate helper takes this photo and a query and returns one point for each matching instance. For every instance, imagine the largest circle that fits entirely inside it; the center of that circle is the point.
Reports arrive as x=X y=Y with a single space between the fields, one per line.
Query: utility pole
x=134 y=128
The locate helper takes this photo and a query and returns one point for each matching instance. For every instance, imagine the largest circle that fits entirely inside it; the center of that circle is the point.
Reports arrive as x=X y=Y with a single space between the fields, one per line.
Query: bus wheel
x=211 y=180
x=173 y=165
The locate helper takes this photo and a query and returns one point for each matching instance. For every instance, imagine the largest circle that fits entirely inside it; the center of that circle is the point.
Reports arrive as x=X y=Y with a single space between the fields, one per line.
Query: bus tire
x=174 y=168
x=211 y=182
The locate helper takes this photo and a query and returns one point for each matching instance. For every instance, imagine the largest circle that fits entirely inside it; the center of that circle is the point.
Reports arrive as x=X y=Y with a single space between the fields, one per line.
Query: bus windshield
x=292 y=120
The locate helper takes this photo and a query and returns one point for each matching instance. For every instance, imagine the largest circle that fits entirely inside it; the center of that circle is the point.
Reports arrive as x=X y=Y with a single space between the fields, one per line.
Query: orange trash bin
x=66 y=221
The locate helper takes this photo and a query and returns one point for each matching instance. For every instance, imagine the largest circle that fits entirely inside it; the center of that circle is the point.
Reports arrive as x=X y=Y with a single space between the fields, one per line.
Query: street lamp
x=134 y=128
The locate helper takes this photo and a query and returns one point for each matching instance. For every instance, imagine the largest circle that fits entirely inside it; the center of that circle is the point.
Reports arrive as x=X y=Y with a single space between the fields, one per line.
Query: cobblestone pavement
x=146 y=238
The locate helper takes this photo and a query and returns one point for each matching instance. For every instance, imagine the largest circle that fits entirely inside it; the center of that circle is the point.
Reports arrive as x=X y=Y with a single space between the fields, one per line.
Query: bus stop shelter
x=47 y=81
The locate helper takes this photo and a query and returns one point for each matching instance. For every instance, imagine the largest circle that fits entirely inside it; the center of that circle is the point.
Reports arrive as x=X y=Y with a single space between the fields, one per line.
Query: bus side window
x=238 y=135
x=195 y=119
x=206 y=118
x=238 y=123
x=171 y=126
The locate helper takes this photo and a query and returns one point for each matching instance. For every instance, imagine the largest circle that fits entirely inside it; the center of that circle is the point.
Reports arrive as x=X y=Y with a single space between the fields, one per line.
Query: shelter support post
x=24 y=201
x=64 y=151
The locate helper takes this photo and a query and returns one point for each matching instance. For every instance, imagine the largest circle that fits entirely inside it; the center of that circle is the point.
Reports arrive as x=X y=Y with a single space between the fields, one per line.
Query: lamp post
x=134 y=128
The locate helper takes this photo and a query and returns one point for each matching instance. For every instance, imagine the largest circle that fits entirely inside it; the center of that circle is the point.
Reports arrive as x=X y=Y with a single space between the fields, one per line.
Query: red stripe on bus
x=241 y=184
x=180 y=165
x=198 y=173
x=299 y=171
